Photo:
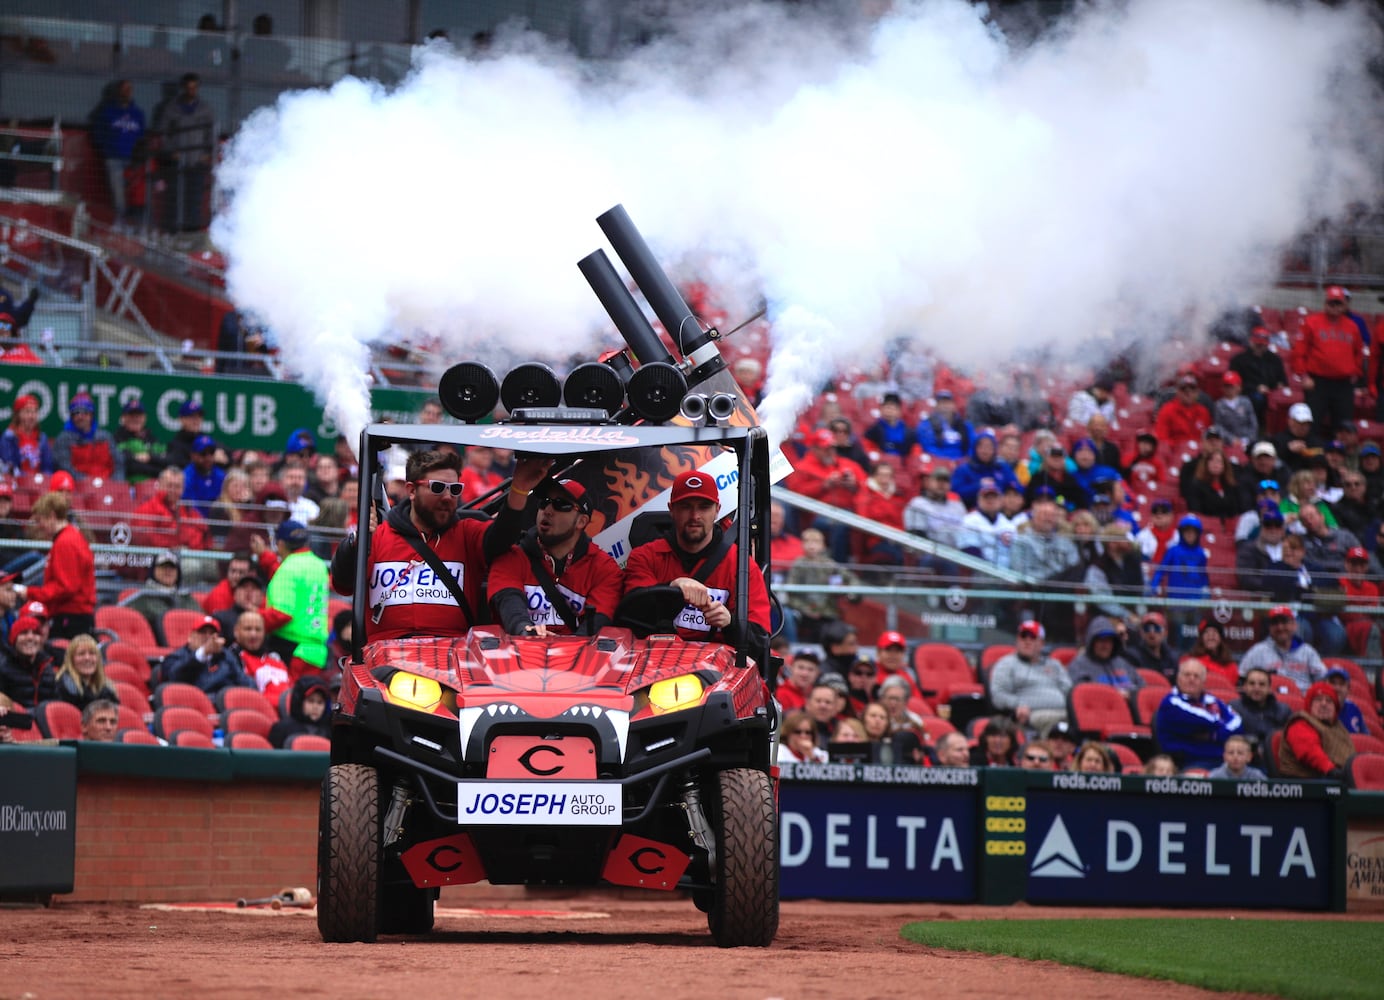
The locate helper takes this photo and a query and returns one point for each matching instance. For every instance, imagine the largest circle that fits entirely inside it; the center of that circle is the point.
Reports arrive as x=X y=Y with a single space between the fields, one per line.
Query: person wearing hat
x=1351 y=716
x=1102 y=660
x=1183 y=418
x=301 y=589
x=1143 y=463
x=309 y=712
x=139 y=449
x=982 y=464
x=1297 y=444
x=986 y=532
x=936 y=512
x=1149 y=648
x=684 y=559
x=28 y=671
x=1263 y=465
x=85 y=449
x=24 y=448
x=945 y=433
x=1089 y=471
x=1283 y=652
x=891 y=659
x=203 y=477
x=1257 y=554
x=1372 y=468
x=204 y=661
x=1234 y=411
x=824 y=475
x=1329 y=360
x=1062 y=739
x=1059 y=480
x=1029 y=685
x=14 y=351
x=1362 y=631
x=554 y=581
x=1315 y=743
x=889 y=433
x=1268 y=493
x=404 y=600
x=163 y=591
x=69 y=575
x=189 y=430
x=1261 y=371
x=1154 y=537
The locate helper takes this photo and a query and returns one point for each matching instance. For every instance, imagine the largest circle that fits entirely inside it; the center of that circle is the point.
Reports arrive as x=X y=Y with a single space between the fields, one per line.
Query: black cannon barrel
x=628 y=318
x=667 y=303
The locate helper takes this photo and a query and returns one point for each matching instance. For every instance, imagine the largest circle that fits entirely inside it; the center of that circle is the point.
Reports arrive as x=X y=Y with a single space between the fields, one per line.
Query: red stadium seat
x=173 y=718
x=248 y=741
x=136 y=735
x=136 y=697
x=943 y=671
x=309 y=742
x=192 y=738
x=1129 y=761
x=118 y=670
x=128 y=625
x=1150 y=697
x=246 y=720
x=178 y=623
x=1064 y=654
x=239 y=697
x=1101 y=712
x=124 y=652
x=1365 y=771
x=187 y=695
x=59 y=720
x=1364 y=743
x=1153 y=678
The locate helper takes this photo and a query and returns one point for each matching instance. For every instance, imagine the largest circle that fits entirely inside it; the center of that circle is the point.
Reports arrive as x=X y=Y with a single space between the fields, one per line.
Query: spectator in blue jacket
x=944 y=432
x=202 y=479
x=984 y=463
x=889 y=434
x=1089 y=471
x=119 y=126
x=1350 y=715
x=1183 y=572
x=1192 y=724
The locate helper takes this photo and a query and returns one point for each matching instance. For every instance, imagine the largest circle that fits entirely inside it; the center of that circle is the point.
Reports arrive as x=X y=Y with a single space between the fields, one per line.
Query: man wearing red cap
x=1234 y=412
x=823 y=474
x=891 y=656
x=1359 y=591
x=406 y=597
x=204 y=662
x=1329 y=359
x=24 y=448
x=14 y=351
x=1184 y=417
x=554 y=581
x=1032 y=686
x=1283 y=652
x=687 y=555
x=69 y=577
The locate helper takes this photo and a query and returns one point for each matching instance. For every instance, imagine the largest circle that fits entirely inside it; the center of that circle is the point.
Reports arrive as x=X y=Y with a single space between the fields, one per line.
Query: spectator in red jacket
x=881 y=501
x=69 y=578
x=1359 y=591
x=1183 y=418
x=220 y=598
x=824 y=475
x=1329 y=360
x=163 y=521
x=83 y=448
x=785 y=548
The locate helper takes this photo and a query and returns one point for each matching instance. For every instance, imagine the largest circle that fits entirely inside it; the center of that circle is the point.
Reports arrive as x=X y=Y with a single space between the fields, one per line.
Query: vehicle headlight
x=417 y=692
x=676 y=693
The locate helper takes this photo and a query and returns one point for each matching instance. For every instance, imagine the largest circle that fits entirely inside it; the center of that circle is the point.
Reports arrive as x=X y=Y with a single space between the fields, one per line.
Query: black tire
x=348 y=854
x=745 y=900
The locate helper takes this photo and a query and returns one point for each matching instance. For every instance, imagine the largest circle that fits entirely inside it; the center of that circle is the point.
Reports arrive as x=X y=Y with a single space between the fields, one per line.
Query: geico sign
x=848 y=841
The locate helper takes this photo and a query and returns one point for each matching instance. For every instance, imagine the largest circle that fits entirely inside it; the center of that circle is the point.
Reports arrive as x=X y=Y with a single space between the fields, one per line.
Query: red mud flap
x=644 y=864
x=446 y=861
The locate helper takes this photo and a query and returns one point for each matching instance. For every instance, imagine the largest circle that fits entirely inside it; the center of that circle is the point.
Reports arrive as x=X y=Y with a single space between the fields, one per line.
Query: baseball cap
x=81 y=403
x=1063 y=730
x=1340 y=672
x=823 y=438
x=34 y=609
x=1369 y=448
x=1269 y=514
x=22 y=624
x=1186 y=378
x=1232 y=378
x=943 y=394
x=988 y=485
x=166 y=558
x=1263 y=448
x=696 y=484
x=62 y=480
x=1260 y=333
x=1212 y=432
x=1045 y=493
x=133 y=406
x=1031 y=630
x=1357 y=554
x=1102 y=496
x=6 y=490
x=1154 y=618
x=191 y=408
x=1300 y=412
x=1269 y=484
x=293 y=533
x=940 y=472
x=203 y=442
x=1161 y=506
x=1056 y=449
x=887 y=639
x=1282 y=611
x=207 y=622
x=575 y=490
x=25 y=400
x=1337 y=293
x=300 y=440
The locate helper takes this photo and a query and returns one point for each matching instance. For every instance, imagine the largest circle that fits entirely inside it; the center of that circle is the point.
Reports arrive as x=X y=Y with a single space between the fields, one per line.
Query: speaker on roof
x=469 y=391
x=530 y=385
x=656 y=391
x=594 y=385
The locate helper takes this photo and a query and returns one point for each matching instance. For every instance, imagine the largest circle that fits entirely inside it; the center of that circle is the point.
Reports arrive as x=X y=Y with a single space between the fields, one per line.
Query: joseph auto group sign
x=239 y=413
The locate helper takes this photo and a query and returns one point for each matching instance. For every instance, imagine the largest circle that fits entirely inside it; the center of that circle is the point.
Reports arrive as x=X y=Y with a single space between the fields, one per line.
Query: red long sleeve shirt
x=69 y=579
x=1329 y=348
x=656 y=563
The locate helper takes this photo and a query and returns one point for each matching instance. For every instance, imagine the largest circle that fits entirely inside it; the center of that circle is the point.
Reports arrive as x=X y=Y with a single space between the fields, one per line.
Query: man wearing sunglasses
x=554 y=581
x=683 y=558
x=407 y=596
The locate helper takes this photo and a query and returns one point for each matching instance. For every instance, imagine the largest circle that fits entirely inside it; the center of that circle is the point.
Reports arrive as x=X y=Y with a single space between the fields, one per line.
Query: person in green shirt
x=301 y=589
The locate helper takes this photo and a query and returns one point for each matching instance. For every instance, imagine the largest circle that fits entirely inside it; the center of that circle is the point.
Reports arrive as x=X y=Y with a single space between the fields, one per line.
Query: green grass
x=1307 y=959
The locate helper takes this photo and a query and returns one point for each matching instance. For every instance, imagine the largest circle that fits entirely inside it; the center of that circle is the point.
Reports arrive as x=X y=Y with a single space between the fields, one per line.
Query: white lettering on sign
x=539 y=803
x=541 y=610
x=842 y=850
x=394 y=583
x=1124 y=849
x=691 y=618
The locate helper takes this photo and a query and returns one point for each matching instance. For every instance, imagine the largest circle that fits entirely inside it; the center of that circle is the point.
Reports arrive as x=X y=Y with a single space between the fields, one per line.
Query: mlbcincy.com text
x=17 y=819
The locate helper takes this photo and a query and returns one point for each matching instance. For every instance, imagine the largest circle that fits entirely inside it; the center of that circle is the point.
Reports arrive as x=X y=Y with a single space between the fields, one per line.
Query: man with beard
x=406 y=597
x=700 y=561
x=554 y=581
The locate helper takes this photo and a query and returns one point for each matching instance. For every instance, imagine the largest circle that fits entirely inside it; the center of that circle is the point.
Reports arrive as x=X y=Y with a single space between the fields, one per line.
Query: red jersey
x=1178 y=422
x=1359 y=592
x=655 y=563
x=784 y=551
x=879 y=507
x=406 y=598
x=69 y=579
x=1329 y=348
x=159 y=527
x=836 y=484
x=589 y=578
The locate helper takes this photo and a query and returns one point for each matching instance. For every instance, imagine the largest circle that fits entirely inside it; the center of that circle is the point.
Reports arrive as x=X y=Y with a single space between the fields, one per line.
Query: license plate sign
x=538 y=803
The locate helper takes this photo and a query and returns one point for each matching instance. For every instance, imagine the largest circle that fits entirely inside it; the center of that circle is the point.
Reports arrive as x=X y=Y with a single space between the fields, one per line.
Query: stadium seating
x=124 y=652
x=178 y=623
x=58 y=720
x=990 y=655
x=238 y=697
x=192 y=738
x=1064 y=654
x=135 y=697
x=1129 y=761
x=248 y=741
x=137 y=735
x=1365 y=771
x=188 y=695
x=306 y=741
x=246 y=720
x=125 y=673
x=1098 y=711
x=1364 y=743
x=171 y=719
x=1149 y=698
x=1154 y=678
x=128 y=625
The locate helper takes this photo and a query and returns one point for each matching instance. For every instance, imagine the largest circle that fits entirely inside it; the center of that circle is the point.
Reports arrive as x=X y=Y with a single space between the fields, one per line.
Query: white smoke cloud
x=924 y=180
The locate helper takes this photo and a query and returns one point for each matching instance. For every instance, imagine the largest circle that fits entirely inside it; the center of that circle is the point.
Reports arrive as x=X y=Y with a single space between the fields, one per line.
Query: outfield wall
x=113 y=822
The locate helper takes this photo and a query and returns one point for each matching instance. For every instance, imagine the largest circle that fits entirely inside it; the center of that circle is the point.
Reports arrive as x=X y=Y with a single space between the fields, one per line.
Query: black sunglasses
x=1152 y=627
x=559 y=504
x=438 y=487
